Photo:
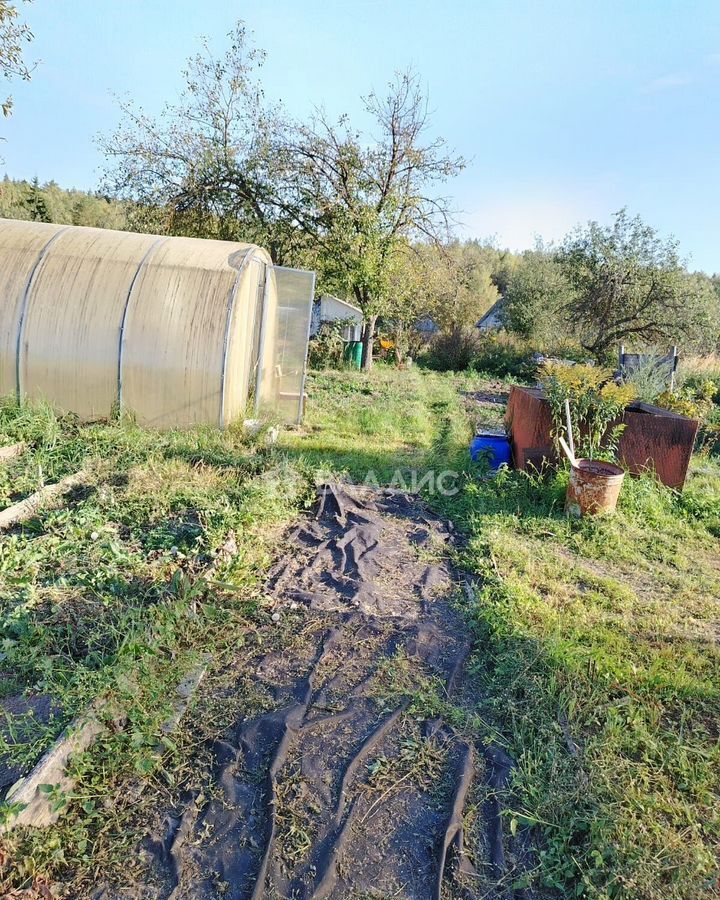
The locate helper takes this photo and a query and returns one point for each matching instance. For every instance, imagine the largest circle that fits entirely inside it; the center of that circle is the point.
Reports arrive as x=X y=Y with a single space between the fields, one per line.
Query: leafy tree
x=205 y=167
x=362 y=197
x=702 y=318
x=537 y=295
x=628 y=283
x=51 y=203
x=223 y=163
x=462 y=284
x=449 y=283
x=414 y=287
x=504 y=266
x=13 y=35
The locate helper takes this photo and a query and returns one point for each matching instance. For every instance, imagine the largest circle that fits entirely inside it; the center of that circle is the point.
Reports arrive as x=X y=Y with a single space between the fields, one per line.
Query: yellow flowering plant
x=696 y=401
x=596 y=403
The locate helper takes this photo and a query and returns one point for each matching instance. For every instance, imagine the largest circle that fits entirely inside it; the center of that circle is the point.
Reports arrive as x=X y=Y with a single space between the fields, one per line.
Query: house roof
x=493 y=317
x=334 y=309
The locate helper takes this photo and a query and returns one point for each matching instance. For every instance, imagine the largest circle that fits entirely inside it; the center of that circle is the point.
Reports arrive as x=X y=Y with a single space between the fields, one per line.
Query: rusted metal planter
x=529 y=425
x=657 y=440
x=593 y=488
x=654 y=439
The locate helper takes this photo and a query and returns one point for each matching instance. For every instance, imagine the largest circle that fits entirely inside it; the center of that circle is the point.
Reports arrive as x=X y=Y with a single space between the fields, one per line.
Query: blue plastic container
x=494 y=447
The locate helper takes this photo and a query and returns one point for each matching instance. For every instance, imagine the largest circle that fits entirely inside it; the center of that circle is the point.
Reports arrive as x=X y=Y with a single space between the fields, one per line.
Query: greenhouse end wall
x=174 y=331
x=282 y=369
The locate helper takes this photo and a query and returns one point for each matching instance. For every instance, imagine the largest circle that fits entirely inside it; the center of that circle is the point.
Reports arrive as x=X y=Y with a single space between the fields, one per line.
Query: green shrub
x=452 y=351
x=502 y=356
x=325 y=350
x=595 y=403
x=649 y=380
x=697 y=398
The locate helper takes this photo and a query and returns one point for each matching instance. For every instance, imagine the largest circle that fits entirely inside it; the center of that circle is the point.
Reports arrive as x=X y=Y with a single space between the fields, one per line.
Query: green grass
x=109 y=597
x=604 y=634
x=355 y=425
x=597 y=640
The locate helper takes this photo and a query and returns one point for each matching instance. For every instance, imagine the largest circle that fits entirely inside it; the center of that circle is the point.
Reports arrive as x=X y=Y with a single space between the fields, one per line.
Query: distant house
x=492 y=320
x=426 y=326
x=332 y=309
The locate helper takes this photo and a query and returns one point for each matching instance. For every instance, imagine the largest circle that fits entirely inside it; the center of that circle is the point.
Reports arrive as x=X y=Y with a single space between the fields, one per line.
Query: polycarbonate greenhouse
x=176 y=331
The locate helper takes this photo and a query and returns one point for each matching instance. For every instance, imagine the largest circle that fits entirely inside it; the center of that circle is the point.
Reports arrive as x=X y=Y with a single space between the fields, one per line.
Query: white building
x=331 y=309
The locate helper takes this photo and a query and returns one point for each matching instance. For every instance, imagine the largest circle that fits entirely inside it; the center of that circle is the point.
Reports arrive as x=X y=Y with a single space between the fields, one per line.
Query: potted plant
x=586 y=404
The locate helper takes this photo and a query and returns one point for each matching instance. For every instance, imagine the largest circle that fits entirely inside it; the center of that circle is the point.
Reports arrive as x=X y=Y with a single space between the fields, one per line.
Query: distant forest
x=49 y=202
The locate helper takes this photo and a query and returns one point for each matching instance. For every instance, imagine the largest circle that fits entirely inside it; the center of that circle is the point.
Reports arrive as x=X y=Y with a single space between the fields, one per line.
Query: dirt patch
x=486 y=408
x=351 y=784
x=495 y=395
x=23 y=720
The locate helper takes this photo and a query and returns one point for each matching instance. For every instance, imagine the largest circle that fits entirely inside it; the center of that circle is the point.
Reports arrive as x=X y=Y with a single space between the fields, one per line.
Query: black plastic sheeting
x=298 y=808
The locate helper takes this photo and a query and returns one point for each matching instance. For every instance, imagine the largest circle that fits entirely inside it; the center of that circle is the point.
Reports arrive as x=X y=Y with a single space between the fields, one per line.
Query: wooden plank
x=12 y=451
x=185 y=691
x=37 y=807
x=46 y=496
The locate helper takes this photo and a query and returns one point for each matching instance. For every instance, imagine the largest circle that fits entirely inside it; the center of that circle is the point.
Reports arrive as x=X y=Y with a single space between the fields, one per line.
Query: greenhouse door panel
x=287 y=310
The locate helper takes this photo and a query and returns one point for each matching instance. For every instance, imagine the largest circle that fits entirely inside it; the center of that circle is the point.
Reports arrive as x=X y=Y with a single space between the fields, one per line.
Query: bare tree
x=13 y=35
x=364 y=197
x=223 y=162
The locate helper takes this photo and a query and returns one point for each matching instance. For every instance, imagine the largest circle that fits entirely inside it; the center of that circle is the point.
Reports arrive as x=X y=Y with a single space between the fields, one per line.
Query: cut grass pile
x=597 y=640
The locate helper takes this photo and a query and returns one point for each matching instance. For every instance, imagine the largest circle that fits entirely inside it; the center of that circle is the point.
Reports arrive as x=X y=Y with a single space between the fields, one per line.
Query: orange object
x=593 y=487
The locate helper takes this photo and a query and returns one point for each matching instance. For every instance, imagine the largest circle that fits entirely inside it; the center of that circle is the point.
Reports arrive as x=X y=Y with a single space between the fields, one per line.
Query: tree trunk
x=400 y=343
x=367 y=341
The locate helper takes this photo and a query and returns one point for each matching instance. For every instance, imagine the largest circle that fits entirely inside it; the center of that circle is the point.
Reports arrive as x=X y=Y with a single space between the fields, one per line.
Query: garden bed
x=654 y=439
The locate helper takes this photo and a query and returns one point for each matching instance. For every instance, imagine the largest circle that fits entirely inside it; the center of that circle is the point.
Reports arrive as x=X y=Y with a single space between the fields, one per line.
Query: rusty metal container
x=658 y=440
x=654 y=438
x=529 y=423
x=593 y=488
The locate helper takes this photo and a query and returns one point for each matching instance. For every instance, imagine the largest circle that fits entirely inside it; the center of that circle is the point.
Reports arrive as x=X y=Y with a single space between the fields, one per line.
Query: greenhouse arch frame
x=176 y=331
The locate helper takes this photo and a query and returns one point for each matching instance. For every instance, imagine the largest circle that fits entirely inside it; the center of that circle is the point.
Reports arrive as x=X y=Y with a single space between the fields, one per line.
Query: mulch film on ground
x=342 y=788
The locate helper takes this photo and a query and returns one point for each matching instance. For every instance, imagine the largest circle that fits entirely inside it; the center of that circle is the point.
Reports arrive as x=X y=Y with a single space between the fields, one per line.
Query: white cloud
x=668 y=83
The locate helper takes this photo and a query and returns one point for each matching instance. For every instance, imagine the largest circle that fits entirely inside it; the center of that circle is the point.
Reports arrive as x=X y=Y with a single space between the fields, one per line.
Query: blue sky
x=566 y=110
